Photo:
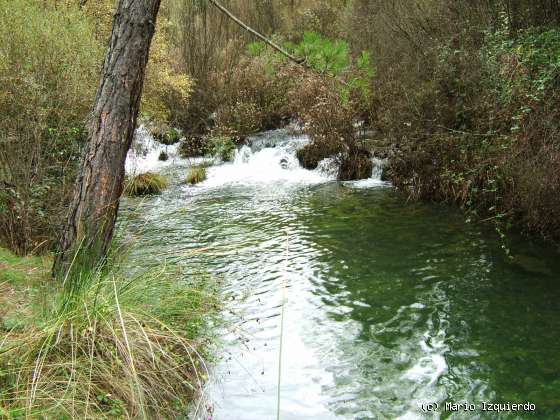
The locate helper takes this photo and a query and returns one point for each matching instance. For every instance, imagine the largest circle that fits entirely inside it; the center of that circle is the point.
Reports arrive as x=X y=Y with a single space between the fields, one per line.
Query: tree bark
x=93 y=211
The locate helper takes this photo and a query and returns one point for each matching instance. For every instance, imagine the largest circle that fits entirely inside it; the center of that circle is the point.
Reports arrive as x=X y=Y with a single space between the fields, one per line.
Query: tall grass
x=109 y=346
x=145 y=184
x=196 y=174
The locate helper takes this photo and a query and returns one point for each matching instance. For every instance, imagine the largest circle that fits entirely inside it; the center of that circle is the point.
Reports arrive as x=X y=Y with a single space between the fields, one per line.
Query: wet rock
x=163 y=156
x=311 y=154
x=356 y=164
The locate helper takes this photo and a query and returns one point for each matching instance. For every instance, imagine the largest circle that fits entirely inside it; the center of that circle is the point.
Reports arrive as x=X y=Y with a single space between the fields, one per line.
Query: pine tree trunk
x=93 y=211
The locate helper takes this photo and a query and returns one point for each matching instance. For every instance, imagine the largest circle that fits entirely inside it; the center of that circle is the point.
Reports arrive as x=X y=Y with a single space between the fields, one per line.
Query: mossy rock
x=356 y=164
x=163 y=156
x=196 y=174
x=145 y=184
x=311 y=154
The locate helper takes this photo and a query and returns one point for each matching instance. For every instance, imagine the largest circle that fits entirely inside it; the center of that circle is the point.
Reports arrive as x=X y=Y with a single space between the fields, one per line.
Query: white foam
x=268 y=165
x=143 y=156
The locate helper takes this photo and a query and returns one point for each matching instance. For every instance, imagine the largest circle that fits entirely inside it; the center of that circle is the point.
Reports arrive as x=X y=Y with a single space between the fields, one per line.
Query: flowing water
x=372 y=306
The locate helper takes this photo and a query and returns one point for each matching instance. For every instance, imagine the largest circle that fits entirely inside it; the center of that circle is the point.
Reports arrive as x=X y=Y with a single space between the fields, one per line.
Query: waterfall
x=143 y=155
x=267 y=157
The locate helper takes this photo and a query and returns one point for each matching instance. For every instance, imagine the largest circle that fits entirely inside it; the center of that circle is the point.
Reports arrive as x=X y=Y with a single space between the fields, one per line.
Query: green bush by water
x=222 y=147
x=49 y=70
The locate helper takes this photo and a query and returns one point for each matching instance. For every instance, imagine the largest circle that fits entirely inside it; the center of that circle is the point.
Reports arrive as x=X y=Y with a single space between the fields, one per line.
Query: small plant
x=145 y=184
x=192 y=146
x=163 y=156
x=165 y=135
x=196 y=174
x=222 y=147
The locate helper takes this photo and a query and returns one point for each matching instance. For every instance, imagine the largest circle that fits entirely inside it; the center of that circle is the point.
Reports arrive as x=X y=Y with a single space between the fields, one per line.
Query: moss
x=196 y=174
x=145 y=184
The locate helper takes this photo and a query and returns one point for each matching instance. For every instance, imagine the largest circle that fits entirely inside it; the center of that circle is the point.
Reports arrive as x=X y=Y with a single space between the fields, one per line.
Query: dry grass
x=145 y=184
x=110 y=347
x=196 y=174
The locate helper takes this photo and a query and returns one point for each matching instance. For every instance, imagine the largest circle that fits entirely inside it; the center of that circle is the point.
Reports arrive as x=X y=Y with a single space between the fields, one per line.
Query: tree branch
x=257 y=34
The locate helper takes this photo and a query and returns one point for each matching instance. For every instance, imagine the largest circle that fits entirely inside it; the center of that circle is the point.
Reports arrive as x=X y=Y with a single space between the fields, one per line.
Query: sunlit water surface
x=389 y=305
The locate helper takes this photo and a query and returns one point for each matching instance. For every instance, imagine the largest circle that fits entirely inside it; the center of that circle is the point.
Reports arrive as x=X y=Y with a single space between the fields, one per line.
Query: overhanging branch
x=257 y=34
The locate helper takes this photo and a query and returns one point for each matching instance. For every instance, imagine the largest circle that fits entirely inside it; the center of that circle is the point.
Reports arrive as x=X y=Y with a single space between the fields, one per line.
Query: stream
x=377 y=307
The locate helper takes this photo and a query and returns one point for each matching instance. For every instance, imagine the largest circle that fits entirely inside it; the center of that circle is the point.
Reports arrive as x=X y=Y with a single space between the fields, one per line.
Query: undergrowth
x=110 y=346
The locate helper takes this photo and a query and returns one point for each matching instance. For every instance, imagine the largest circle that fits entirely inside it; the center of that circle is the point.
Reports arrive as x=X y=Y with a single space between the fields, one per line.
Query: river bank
x=119 y=345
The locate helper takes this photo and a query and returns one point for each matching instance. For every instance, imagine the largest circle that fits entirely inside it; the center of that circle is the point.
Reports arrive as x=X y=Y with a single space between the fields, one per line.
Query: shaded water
x=388 y=304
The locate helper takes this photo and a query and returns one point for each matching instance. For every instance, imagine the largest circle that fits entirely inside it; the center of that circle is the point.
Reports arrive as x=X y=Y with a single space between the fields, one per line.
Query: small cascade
x=328 y=167
x=376 y=178
x=378 y=168
x=242 y=155
x=267 y=158
x=144 y=153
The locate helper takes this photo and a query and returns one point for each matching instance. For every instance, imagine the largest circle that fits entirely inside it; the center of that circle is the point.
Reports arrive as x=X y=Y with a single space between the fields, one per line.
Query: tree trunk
x=93 y=211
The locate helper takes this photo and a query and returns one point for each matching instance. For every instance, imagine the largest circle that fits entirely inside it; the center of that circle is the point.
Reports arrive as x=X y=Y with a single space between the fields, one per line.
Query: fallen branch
x=257 y=34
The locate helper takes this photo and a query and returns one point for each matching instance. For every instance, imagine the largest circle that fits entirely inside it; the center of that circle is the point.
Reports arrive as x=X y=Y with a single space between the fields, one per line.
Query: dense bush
x=192 y=146
x=49 y=69
x=488 y=134
x=50 y=59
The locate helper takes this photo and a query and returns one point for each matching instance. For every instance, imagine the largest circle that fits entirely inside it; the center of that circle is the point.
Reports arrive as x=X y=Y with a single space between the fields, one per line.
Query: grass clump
x=145 y=184
x=196 y=174
x=108 y=346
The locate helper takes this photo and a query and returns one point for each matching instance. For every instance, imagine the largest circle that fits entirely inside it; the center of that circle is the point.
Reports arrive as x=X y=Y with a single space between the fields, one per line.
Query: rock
x=356 y=164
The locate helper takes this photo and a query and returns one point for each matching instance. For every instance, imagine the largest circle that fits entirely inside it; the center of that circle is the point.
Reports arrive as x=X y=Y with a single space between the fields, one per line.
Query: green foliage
x=254 y=49
x=167 y=136
x=145 y=184
x=49 y=70
x=196 y=174
x=532 y=61
x=222 y=147
x=323 y=54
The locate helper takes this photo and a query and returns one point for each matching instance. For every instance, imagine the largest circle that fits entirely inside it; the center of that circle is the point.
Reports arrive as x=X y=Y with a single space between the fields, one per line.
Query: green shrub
x=222 y=147
x=196 y=174
x=169 y=137
x=145 y=184
x=49 y=70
